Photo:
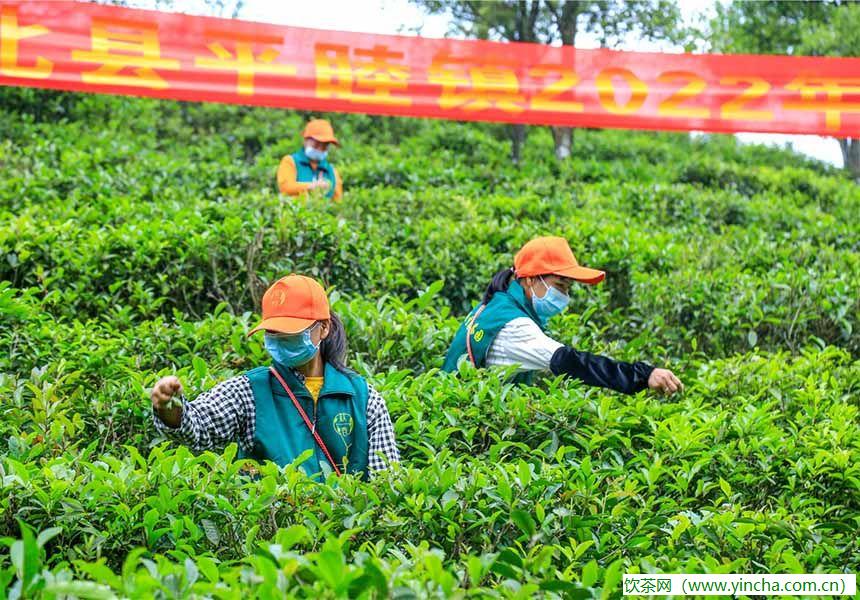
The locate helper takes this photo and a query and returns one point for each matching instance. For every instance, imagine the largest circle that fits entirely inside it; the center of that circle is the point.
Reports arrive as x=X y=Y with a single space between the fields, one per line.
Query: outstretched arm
x=624 y=377
x=215 y=418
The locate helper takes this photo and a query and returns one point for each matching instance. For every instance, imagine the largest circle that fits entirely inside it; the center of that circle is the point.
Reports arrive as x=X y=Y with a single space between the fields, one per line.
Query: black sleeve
x=594 y=369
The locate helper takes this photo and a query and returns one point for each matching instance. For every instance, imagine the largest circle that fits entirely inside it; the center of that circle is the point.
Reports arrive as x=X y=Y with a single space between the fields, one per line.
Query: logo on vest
x=470 y=323
x=479 y=335
x=343 y=424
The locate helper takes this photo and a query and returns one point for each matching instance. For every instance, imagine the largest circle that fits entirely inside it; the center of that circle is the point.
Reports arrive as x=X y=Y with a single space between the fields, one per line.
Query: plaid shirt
x=227 y=413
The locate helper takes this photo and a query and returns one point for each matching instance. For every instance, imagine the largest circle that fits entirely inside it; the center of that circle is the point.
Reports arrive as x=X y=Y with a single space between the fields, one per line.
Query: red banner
x=106 y=49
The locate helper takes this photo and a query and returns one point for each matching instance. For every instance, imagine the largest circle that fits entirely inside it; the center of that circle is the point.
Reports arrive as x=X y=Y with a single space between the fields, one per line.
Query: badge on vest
x=343 y=424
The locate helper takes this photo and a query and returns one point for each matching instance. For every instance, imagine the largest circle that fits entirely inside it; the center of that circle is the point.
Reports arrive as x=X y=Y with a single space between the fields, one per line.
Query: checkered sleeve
x=222 y=415
x=380 y=431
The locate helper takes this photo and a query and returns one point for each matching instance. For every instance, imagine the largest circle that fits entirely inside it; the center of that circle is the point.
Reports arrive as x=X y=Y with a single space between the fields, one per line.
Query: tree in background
x=218 y=8
x=822 y=28
x=840 y=36
x=554 y=21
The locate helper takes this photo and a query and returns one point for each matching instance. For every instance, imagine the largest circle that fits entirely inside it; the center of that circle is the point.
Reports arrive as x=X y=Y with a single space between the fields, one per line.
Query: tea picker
x=509 y=326
x=306 y=399
x=307 y=171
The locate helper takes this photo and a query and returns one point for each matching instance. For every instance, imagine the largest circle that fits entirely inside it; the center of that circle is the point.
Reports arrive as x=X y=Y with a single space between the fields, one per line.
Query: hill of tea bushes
x=137 y=236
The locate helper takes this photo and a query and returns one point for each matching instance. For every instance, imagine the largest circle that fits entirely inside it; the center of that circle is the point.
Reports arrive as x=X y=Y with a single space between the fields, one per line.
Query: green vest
x=281 y=434
x=503 y=308
x=306 y=174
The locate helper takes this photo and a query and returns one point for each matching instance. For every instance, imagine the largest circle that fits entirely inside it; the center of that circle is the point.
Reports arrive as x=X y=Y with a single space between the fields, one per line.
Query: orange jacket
x=288 y=185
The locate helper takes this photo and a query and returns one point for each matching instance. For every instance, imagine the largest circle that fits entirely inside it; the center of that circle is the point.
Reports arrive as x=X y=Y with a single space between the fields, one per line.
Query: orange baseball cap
x=553 y=256
x=320 y=130
x=292 y=304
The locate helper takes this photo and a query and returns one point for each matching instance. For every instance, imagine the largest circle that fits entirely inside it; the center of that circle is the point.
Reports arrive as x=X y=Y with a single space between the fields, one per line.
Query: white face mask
x=553 y=302
x=292 y=350
x=314 y=154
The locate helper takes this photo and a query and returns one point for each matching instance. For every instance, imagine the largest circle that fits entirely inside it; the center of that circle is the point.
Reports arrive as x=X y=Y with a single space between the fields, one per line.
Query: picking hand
x=163 y=401
x=665 y=381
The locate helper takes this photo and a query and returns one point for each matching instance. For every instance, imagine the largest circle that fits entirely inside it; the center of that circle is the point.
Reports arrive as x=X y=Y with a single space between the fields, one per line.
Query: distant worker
x=507 y=328
x=308 y=170
x=307 y=399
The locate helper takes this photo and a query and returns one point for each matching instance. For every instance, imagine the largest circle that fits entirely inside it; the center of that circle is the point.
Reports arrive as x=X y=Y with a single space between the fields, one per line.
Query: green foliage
x=839 y=36
x=766 y=27
x=822 y=28
x=549 y=21
x=138 y=235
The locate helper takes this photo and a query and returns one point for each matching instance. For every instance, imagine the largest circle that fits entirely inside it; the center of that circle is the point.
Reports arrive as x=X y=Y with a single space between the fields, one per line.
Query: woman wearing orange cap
x=307 y=399
x=308 y=170
x=507 y=328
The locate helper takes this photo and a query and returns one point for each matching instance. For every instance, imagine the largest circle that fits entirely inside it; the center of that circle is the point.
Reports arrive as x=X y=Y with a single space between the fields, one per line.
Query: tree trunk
x=566 y=21
x=525 y=18
x=851 y=155
x=518 y=140
x=563 y=137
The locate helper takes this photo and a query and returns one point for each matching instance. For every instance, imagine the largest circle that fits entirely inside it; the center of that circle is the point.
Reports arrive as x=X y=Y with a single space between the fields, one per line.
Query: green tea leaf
x=524 y=521
x=589 y=573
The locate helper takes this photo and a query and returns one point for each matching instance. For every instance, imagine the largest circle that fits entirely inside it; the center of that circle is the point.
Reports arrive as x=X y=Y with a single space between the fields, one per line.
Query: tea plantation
x=137 y=236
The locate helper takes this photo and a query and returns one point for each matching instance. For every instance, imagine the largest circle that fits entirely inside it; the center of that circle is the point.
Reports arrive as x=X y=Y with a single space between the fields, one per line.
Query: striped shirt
x=521 y=342
x=227 y=413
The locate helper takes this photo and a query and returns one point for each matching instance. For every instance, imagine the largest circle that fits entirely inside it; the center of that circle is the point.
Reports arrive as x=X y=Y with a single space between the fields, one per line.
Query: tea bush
x=137 y=237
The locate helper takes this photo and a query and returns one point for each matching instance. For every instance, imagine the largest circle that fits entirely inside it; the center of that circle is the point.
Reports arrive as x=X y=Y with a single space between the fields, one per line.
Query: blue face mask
x=314 y=154
x=553 y=303
x=292 y=350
